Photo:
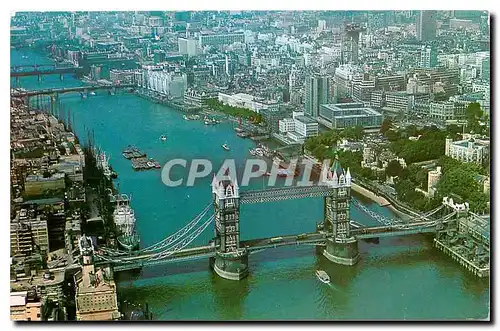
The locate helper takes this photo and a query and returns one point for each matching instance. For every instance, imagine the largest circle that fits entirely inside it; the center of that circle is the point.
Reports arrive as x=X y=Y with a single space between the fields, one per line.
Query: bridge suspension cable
x=377 y=217
x=167 y=241
x=166 y=253
x=188 y=240
x=427 y=223
x=394 y=221
x=432 y=212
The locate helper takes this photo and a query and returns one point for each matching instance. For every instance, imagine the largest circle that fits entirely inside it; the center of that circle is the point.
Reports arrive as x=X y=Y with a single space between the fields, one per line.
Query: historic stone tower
x=341 y=246
x=230 y=261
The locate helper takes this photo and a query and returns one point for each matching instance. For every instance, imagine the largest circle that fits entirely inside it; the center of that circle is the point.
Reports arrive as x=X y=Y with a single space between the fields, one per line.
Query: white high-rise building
x=167 y=83
x=189 y=47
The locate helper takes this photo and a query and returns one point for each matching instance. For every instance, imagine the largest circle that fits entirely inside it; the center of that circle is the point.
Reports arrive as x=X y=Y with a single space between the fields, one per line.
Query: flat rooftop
x=305 y=119
x=343 y=109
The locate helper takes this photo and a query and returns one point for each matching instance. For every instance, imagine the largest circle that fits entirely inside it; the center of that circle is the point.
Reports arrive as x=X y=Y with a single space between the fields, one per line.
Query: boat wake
x=332 y=286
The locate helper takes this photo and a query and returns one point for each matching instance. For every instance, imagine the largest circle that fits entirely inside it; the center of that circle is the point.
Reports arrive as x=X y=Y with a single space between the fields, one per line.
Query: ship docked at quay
x=125 y=222
x=102 y=161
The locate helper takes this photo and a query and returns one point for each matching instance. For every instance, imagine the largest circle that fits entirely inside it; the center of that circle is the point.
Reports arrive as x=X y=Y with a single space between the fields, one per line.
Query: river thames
x=398 y=278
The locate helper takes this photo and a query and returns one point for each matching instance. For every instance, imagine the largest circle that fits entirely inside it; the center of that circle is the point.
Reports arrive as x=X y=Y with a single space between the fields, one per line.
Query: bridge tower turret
x=341 y=246
x=231 y=260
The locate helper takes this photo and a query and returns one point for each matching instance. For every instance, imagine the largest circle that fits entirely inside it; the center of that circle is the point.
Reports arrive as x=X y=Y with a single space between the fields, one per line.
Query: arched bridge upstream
x=54 y=92
x=40 y=70
x=336 y=237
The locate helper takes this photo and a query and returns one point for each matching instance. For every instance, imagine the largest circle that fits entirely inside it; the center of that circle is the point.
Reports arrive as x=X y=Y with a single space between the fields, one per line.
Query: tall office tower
x=426 y=25
x=351 y=43
x=317 y=93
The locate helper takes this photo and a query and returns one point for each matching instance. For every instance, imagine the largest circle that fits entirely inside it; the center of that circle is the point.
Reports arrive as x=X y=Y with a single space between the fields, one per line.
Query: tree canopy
x=475 y=115
x=393 y=168
x=386 y=125
x=234 y=111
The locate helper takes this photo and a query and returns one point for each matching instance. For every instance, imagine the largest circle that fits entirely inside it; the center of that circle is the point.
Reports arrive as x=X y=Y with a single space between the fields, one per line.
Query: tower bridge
x=336 y=236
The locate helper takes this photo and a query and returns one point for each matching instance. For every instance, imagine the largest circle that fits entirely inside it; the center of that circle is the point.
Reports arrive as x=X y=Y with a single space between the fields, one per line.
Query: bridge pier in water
x=341 y=245
x=230 y=260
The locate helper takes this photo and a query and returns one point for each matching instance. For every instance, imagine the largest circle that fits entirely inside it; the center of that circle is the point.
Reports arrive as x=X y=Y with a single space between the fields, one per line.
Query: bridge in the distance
x=336 y=236
x=40 y=70
x=18 y=93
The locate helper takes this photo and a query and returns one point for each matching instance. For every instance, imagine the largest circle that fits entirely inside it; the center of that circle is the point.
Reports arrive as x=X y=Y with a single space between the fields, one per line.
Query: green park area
x=237 y=112
x=462 y=181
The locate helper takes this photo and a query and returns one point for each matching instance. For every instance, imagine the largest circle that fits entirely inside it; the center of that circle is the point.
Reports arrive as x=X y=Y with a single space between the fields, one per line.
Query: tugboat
x=226 y=147
x=323 y=276
x=163 y=137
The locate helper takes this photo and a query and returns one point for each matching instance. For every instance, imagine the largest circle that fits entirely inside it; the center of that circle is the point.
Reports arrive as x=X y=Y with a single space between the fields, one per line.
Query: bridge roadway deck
x=304 y=239
x=138 y=261
x=254 y=245
x=67 y=90
x=390 y=232
x=56 y=71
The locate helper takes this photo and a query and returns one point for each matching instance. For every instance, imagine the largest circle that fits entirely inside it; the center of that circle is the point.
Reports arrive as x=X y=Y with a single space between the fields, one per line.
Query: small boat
x=210 y=121
x=92 y=93
x=163 y=137
x=226 y=147
x=323 y=276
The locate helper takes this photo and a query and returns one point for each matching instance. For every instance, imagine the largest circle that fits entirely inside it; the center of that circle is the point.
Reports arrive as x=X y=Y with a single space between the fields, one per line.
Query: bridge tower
x=230 y=261
x=341 y=246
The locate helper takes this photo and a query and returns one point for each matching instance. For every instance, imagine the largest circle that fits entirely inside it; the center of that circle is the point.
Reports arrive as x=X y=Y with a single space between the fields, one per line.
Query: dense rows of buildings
x=47 y=196
x=303 y=72
x=396 y=62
